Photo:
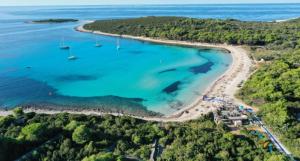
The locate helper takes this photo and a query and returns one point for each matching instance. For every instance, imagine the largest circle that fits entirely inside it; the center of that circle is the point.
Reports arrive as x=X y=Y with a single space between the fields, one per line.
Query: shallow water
x=139 y=76
x=138 y=70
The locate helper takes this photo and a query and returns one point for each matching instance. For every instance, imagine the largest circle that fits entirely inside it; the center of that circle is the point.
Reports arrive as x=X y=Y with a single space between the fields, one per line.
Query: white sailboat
x=118 y=44
x=97 y=43
x=71 y=56
x=63 y=46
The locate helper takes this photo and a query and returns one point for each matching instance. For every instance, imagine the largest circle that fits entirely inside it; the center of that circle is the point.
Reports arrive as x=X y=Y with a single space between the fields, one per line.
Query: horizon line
x=249 y=3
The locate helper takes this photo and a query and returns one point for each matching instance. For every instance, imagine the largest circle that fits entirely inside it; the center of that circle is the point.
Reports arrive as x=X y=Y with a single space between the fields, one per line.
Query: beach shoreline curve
x=224 y=86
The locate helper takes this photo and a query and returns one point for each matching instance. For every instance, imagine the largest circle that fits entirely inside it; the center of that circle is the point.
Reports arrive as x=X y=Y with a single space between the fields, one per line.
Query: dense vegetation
x=64 y=136
x=274 y=88
x=55 y=21
x=281 y=35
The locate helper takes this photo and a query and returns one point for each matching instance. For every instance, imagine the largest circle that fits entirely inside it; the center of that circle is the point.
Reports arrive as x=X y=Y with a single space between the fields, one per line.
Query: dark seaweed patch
x=167 y=70
x=31 y=93
x=175 y=104
x=203 y=68
x=22 y=88
x=172 y=87
x=74 y=77
x=204 y=50
x=136 y=52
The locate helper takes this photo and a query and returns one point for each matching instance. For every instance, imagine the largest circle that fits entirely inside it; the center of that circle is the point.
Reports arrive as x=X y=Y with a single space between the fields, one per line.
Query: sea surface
x=140 y=76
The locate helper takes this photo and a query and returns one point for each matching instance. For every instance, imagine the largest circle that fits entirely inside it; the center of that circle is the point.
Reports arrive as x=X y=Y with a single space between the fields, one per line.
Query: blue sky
x=122 y=2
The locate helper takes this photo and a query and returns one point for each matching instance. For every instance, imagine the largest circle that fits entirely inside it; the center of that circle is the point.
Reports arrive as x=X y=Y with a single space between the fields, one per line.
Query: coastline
x=285 y=20
x=224 y=87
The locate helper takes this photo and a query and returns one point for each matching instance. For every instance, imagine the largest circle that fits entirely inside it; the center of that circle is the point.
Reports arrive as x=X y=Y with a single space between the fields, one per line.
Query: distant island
x=54 y=21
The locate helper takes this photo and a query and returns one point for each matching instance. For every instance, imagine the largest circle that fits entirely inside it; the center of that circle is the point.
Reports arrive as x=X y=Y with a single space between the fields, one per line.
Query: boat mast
x=70 y=53
x=62 y=42
x=118 y=44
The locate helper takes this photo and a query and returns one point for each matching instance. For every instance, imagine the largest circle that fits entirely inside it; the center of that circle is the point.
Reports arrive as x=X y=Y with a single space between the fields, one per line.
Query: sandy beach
x=224 y=87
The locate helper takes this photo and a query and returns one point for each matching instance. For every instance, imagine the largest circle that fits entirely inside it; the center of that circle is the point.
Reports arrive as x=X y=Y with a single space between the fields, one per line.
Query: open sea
x=140 y=76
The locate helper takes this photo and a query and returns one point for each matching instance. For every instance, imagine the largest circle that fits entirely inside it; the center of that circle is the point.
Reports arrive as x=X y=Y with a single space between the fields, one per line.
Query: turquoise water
x=138 y=70
x=140 y=76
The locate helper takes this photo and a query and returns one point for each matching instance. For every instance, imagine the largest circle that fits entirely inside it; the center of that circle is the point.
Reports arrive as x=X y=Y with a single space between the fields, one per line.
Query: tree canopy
x=279 y=35
x=81 y=134
x=45 y=137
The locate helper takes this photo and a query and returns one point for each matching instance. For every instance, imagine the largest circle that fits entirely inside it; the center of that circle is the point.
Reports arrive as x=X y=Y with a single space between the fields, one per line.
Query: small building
x=217 y=118
x=237 y=123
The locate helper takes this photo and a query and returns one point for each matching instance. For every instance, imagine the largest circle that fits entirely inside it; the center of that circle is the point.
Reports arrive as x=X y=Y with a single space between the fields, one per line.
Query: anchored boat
x=118 y=44
x=63 y=46
x=71 y=56
x=97 y=43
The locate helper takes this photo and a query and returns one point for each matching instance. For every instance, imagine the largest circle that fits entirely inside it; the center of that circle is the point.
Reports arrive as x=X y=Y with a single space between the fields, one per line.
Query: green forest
x=41 y=137
x=274 y=88
x=269 y=34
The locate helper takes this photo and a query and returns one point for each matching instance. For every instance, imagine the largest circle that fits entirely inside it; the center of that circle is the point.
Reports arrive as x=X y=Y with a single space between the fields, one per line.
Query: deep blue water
x=253 y=12
x=141 y=75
